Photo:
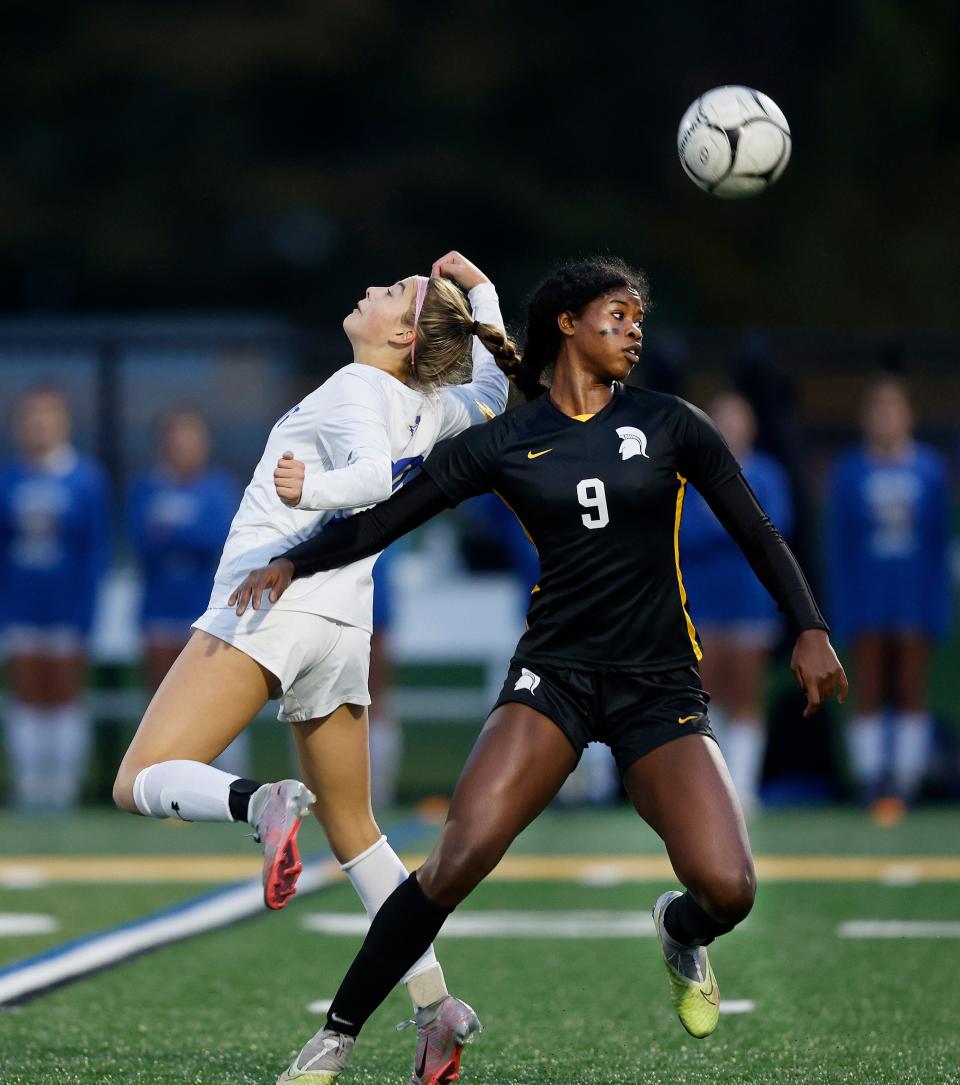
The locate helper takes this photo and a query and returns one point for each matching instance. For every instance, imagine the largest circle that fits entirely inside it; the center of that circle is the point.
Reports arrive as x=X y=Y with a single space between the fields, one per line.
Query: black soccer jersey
x=601 y=501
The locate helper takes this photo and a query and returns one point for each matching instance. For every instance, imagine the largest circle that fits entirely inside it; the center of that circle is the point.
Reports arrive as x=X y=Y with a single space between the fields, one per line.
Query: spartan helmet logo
x=633 y=442
x=527 y=680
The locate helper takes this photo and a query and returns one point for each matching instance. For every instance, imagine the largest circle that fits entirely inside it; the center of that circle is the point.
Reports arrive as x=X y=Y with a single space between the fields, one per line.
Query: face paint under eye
x=609 y=331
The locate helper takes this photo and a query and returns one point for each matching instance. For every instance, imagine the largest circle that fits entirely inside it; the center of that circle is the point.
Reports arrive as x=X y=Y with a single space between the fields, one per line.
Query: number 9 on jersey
x=592 y=496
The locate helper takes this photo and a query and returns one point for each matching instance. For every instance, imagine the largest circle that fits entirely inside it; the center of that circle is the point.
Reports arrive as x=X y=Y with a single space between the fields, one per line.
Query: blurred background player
x=179 y=515
x=888 y=551
x=386 y=733
x=53 y=553
x=736 y=618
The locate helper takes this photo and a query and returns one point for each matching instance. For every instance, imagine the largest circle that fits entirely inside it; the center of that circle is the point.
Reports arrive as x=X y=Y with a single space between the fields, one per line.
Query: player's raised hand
x=817 y=670
x=288 y=478
x=457 y=267
x=276 y=576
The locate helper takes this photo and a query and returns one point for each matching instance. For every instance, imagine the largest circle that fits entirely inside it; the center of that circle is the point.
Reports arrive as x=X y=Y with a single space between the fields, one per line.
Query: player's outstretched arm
x=343 y=542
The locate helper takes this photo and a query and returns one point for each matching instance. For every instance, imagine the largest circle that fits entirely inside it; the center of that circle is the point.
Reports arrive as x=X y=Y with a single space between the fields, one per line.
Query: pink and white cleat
x=442 y=1031
x=275 y=814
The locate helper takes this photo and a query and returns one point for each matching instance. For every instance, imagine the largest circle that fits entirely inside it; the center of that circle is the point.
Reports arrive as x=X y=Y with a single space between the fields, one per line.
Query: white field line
x=321 y=1005
x=100 y=950
x=585 y=924
x=17 y=924
x=899 y=928
x=22 y=877
x=737 y=1005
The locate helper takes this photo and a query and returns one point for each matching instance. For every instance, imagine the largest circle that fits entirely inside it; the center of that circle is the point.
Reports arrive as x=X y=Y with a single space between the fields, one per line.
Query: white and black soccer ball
x=734 y=142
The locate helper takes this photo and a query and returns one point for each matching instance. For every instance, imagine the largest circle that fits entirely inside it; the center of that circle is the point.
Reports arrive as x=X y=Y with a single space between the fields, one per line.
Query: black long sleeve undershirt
x=736 y=507
x=368 y=532
x=733 y=503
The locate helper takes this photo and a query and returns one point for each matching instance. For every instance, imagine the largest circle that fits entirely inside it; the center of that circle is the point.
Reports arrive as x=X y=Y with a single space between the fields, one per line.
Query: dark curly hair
x=570 y=287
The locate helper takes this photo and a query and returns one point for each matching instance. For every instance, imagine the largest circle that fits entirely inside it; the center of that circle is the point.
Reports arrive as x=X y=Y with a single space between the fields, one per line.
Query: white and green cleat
x=321 y=1060
x=693 y=986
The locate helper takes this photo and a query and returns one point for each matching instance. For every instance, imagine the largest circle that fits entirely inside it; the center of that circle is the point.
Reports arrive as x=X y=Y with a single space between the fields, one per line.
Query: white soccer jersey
x=359 y=435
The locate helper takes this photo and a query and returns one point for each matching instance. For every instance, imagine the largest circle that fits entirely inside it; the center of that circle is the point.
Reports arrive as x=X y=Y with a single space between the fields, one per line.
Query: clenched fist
x=288 y=478
x=456 y=266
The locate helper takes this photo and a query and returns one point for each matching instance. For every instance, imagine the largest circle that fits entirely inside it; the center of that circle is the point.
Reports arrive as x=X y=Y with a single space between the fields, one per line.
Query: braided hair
x=444 y=336
x=569 y=288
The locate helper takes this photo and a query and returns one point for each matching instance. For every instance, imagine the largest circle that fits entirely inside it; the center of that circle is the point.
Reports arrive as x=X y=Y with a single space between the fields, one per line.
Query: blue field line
x=401 y=835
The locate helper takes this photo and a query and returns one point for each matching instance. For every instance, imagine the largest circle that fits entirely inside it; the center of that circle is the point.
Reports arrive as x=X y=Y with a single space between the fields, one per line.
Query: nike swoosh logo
x=537 y=455
x=711 y=995
x=687 y=719
x=423 y=1061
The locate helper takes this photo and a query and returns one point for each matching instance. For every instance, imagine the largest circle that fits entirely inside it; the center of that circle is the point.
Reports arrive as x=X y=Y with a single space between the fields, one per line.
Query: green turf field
x=231 y=1006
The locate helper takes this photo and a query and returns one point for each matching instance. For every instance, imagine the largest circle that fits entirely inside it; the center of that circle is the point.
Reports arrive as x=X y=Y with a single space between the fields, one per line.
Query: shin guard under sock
x=400 y=933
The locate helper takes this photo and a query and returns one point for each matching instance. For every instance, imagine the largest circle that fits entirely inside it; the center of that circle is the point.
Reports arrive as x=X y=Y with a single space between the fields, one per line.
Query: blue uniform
x=721 y=587
x=54 y=543
x=497 y=519
x=888 y=544
x=178 y=529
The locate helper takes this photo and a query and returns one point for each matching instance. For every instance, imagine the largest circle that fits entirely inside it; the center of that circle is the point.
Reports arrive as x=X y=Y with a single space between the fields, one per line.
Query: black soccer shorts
x=632 y=713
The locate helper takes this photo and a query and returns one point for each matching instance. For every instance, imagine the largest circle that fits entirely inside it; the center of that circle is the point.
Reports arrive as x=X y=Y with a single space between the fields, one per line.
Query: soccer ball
x=734 y=142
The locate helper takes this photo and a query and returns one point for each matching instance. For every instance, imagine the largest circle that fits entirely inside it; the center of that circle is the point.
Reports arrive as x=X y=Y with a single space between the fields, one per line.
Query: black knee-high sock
x=399 y=934
x=688 y=924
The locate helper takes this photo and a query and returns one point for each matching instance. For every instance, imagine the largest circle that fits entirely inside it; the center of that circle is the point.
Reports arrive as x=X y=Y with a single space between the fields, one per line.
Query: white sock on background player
x=386 y=750
x=865 y=750
x=27 y=752
x=911 y=752
x=375 y=874
x=69 y=728
x=746 y=744
x=189 y=790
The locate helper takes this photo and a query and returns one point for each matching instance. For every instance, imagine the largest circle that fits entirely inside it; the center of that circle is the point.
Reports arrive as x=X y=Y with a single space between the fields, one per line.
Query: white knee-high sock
x=374 y=874
x=744 y=755
x=911 y=752
x=27 y=751
x=188 y=790
x=865 y=749
x=70 y=736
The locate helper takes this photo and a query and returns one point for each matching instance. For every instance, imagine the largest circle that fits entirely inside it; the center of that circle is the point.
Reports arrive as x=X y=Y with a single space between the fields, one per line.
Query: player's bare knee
x=123 y=791
x=450 y=875
x=729 y=894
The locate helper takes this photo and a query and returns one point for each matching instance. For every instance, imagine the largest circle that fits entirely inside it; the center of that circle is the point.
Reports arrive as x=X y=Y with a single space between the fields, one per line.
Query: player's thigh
x=334 y=756
x=683 y=790
x=748 y=667
x=26 y=675
x=911 y=661
x=66 y=676
x=515 y=769
x=715 y=667
x=870 y=668
x=207 y=698
x=160 y=656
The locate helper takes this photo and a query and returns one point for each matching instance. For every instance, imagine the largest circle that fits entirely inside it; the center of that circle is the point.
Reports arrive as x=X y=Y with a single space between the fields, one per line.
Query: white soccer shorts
x=320 y=663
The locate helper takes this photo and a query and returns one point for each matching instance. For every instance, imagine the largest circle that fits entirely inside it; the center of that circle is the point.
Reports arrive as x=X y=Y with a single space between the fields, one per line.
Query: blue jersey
x=54 y=541
x=497 y=519
x=889 y=529
x=178 y=529
x=721 y=587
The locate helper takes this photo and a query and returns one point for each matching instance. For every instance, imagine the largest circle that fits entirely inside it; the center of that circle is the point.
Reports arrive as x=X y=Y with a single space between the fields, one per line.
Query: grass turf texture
x=230 y=1006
